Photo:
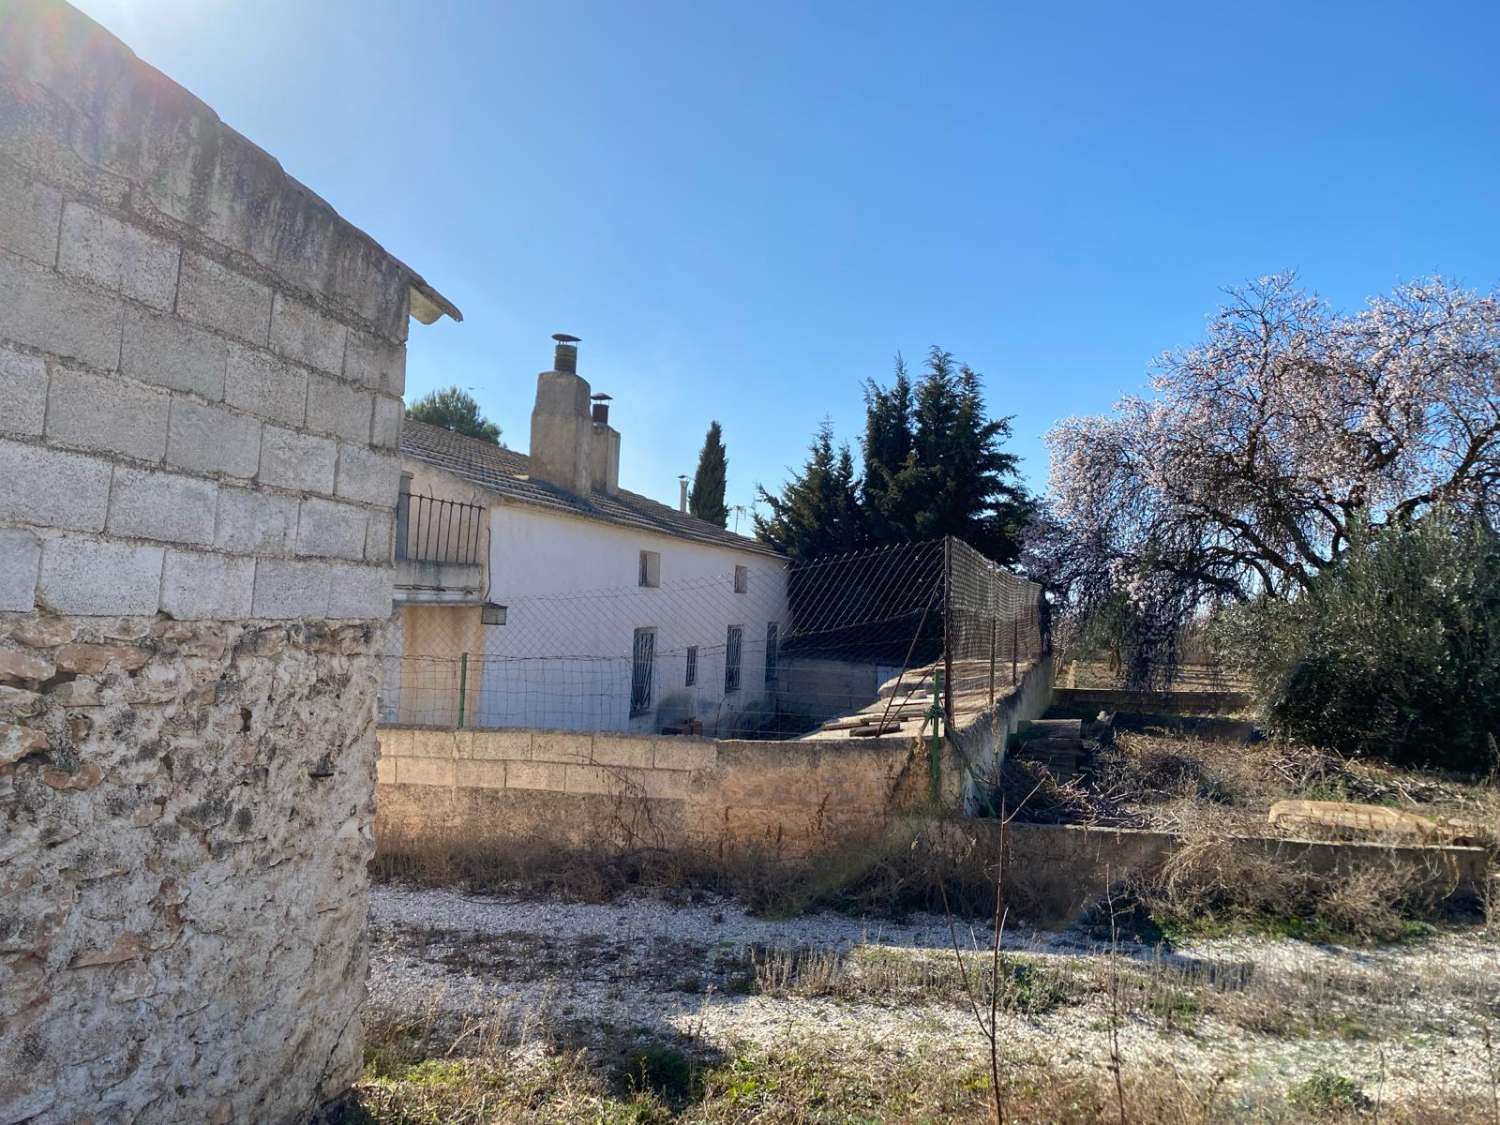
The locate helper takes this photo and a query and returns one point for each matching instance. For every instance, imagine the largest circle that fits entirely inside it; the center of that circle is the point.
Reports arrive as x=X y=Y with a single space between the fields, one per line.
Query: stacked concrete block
x=201 y=367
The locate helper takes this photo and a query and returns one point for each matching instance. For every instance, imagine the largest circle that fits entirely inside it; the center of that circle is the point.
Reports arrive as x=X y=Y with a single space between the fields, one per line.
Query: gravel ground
x=1403 y=1020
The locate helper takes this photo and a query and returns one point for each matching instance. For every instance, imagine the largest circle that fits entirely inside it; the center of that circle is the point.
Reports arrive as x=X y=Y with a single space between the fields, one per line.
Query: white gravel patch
x=586 y=973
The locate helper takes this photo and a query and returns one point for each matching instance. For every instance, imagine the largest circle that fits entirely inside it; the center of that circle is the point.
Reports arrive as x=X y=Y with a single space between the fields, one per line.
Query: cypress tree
x=706 y=500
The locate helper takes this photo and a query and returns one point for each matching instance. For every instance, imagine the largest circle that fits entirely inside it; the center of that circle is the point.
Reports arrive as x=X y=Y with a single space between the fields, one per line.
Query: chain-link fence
x=760 y=650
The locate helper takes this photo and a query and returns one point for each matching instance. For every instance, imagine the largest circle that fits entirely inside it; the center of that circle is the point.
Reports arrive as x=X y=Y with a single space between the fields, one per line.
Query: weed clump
x=1325 y=1093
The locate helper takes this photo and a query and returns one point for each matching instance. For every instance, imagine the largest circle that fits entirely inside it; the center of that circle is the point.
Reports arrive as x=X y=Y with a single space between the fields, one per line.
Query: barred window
x=691 y=677
x=771 y=636
x=732 y=648
x=642 y=671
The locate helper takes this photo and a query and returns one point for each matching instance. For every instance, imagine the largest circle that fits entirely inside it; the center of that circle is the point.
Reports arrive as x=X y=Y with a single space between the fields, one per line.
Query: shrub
x=1326 y=1092
x=1393 y=653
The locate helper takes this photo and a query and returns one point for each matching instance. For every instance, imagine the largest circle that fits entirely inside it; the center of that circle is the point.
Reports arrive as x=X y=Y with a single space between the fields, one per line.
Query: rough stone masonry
x=201 y=367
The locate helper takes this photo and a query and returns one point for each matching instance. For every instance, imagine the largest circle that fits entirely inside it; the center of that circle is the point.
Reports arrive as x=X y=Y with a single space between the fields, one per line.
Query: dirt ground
x=1248 y=1016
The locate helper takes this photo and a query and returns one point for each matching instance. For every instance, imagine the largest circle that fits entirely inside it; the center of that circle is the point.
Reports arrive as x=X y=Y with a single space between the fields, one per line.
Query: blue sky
x=746 y=209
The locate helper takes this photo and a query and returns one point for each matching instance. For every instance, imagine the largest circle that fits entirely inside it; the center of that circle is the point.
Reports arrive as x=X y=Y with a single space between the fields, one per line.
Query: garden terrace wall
x=1066 y=869
x=585 y=789
x=201 y=366
x=596 y=789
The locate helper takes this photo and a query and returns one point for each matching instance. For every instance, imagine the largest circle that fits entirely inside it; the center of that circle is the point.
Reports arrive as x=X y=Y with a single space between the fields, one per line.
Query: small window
x=732 y=647
x=642 y=671
x=771 y=637
x=650 y=568
x=741 y=579
x=492 y=614
x=690 y=678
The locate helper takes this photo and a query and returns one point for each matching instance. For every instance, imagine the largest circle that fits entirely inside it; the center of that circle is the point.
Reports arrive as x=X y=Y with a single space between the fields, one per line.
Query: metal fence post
x=1015 y=646
x=463 y=685
x=948 y=632
x=993 y=625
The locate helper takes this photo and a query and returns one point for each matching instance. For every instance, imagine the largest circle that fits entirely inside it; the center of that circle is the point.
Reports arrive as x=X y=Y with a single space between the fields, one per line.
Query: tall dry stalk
x=1116 y=1058
x=1380 y=1088
x=1494 y=1074
x=989 y=1026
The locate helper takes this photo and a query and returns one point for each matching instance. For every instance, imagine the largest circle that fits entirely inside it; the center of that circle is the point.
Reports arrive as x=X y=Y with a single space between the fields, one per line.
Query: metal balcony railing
x=439 y=531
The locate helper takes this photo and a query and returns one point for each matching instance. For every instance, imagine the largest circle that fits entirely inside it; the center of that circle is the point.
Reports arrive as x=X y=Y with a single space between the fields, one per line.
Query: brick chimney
x=562 y=430
x=606 y=452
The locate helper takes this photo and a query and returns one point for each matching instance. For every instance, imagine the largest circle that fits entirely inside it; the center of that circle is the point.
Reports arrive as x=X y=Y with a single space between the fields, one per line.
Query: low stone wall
x=663 y=791
x=1066 y=869
x=982 y=743
x=670 y=791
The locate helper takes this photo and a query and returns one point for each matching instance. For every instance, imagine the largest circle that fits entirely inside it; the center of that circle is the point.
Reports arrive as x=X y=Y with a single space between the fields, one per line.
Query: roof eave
x=428 y=305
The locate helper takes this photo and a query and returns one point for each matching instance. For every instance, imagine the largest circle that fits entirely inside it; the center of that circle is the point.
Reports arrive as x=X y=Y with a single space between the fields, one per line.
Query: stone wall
x=1066 y=869
x=579 y=789
x=200 y=376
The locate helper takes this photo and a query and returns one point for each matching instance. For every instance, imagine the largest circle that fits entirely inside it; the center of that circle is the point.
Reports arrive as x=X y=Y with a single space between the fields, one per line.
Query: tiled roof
x=508 y=474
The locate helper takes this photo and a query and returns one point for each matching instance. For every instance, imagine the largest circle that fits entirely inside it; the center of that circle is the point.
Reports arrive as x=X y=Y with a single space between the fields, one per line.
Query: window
x=642 y=671
x=741 y=579
x=650 y=568
x=691 y=677
x=732 y=648
x=771 y=632
x=492 y=614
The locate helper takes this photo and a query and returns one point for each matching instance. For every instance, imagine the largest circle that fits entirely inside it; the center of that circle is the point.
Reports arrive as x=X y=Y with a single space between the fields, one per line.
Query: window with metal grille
x=691 y=676
x=650 y=568
x=771 y=635
x=732 y=648
x=642 y=671
x=741 y=579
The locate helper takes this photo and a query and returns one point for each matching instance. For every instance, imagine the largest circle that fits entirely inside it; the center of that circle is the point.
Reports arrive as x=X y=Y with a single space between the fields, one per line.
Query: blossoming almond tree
x=1266 y=444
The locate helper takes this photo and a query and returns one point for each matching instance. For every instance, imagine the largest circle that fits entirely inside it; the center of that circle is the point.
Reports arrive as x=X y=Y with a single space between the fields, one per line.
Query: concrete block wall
x=580 y=788
x=201 y=367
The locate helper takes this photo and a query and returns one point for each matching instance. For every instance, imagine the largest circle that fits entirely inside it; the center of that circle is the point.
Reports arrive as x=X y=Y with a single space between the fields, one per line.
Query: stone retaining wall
x=201 y=366
x=669 y=791
x=796 y=797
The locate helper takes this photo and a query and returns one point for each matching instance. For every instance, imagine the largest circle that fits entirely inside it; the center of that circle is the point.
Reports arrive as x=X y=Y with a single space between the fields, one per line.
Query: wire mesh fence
x=763 y=650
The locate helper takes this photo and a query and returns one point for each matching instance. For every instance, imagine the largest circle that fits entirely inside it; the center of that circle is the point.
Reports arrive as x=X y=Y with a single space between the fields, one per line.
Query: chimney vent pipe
x=682 y=498
x=565 y=355
x=601 y=408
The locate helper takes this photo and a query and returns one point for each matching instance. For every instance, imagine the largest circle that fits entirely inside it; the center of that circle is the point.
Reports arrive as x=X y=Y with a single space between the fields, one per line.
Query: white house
x=533 y=591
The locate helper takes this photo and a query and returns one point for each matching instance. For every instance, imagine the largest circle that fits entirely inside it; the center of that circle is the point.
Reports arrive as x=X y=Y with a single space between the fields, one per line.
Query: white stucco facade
x=565 y=657
x=569 y=653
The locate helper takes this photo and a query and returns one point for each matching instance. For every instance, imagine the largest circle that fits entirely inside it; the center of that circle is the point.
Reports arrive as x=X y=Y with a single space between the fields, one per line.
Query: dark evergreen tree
x=887 y=450
x=454 y=409
x=818 y=511
x=934 y=462
x=706 y=500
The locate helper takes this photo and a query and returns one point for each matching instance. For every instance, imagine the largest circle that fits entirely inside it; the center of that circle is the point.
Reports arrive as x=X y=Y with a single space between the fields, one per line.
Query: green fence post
x=935 y=754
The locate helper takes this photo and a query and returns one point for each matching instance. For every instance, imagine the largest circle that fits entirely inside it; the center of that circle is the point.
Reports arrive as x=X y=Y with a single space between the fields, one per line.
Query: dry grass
x=1158 y=779
x=871 y=975
x=418 y=1072
x=886 y=874
x=1211 y=885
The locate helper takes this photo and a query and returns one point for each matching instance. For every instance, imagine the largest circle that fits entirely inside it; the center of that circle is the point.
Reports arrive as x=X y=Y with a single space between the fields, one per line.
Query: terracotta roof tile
x=508 y=474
